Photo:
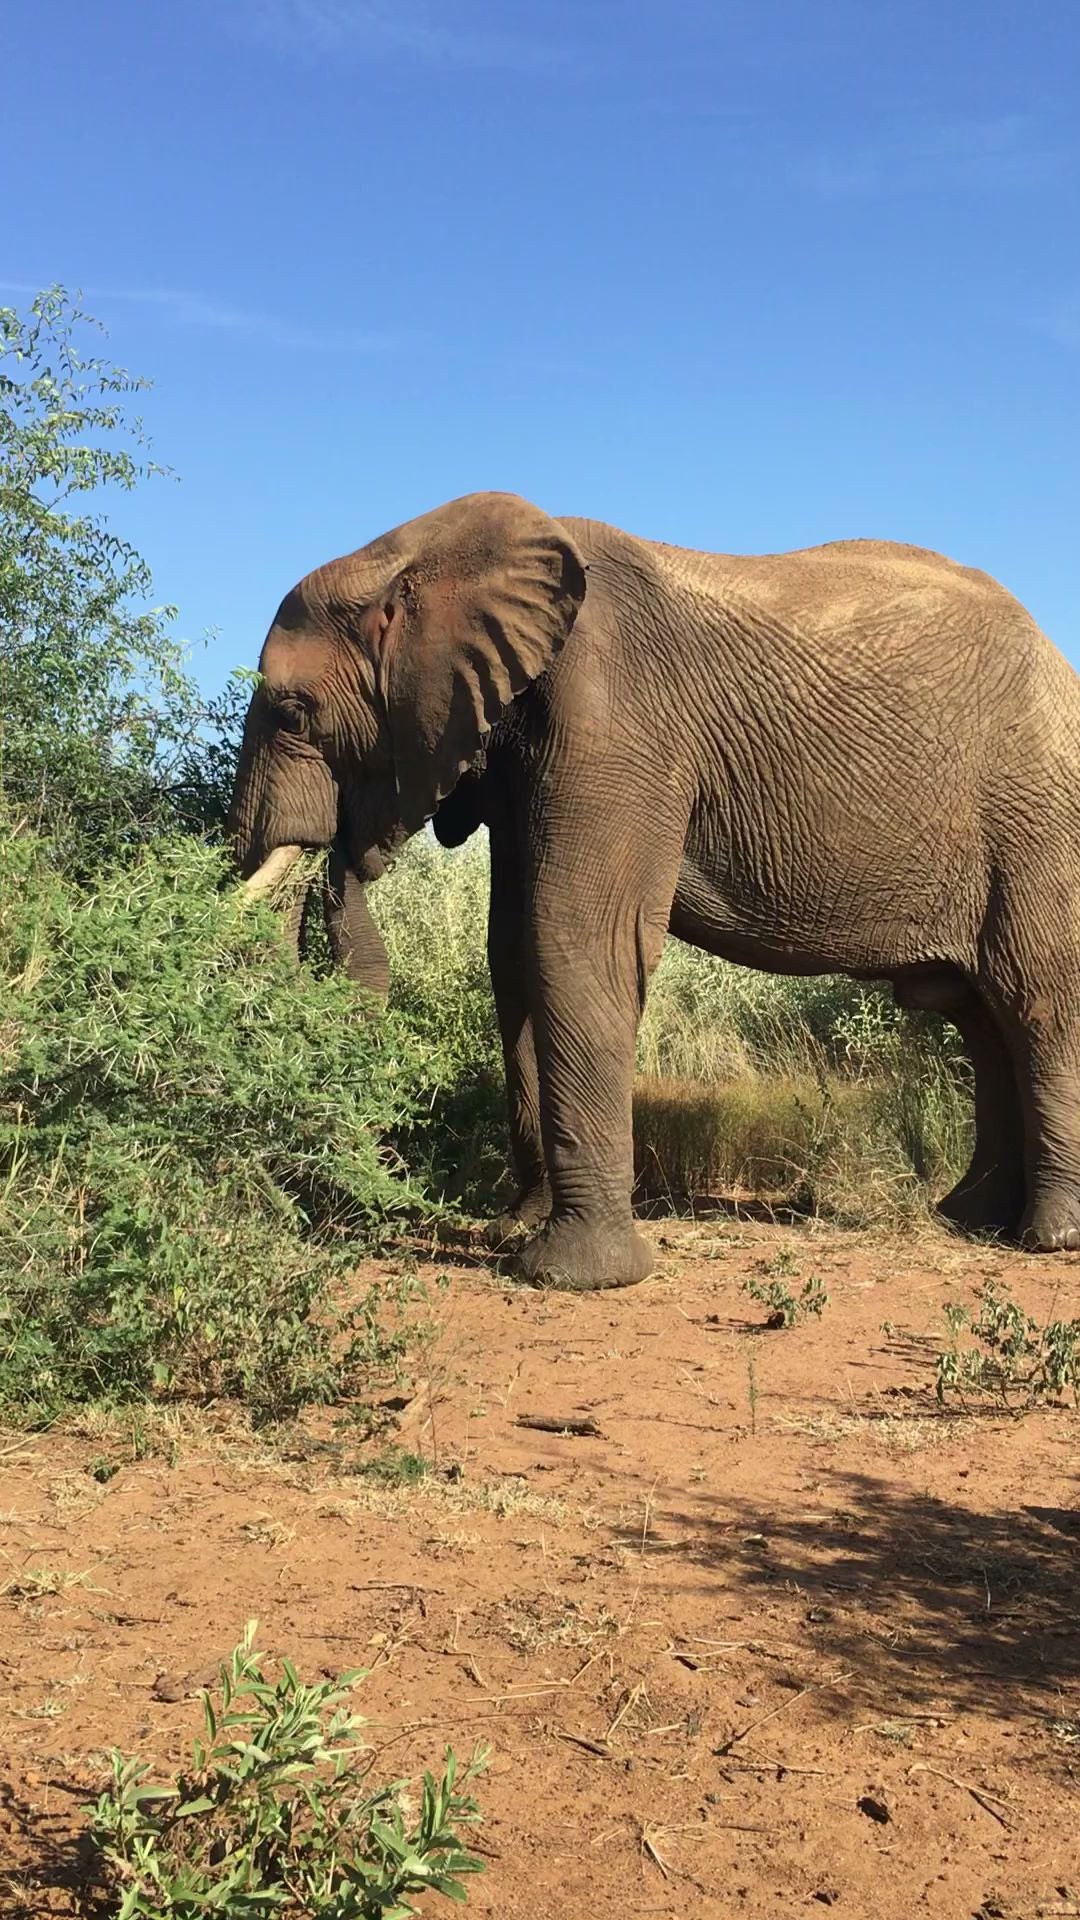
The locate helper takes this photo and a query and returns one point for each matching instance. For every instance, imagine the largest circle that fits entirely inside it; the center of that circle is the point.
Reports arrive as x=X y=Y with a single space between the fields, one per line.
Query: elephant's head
x=380 y=679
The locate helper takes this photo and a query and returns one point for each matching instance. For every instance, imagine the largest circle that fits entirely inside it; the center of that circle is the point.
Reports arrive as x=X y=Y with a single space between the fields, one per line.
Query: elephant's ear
x=462 y=811
x=478 y=614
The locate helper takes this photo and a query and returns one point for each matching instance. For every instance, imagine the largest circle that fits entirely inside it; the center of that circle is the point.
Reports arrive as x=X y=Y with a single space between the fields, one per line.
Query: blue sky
x=743 y=275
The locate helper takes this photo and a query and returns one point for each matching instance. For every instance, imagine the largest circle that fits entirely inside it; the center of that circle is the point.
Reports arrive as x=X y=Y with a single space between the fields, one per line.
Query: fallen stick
x=778 y=1766
x=543 y=1423
x=818 y=1687
x=390 y=1586
x=579 y=1740
x=979 y=1794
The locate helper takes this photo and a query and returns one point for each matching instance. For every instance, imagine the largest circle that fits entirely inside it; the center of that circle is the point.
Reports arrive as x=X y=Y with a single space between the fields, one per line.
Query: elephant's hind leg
x=1047 y=1053
x=990 y=1196
x=1034 y=985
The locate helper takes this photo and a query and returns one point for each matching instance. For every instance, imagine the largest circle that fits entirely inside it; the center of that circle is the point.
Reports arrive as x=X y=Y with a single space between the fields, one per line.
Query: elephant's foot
x=1052 y=1223
x=574 y=1257
x=528 y=1211
x=985 y=1203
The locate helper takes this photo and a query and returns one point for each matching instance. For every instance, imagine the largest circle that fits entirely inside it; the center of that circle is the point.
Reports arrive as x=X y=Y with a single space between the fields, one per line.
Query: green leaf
x=204 y=1804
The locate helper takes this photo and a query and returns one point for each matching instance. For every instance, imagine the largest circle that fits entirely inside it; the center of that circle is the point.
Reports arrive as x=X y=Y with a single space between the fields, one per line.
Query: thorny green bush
x=1016 y=1361
x=192 y=1143
x=278 y=1815
x=432 y=913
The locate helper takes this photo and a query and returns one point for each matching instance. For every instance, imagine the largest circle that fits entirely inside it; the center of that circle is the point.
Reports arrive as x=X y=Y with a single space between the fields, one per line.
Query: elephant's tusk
x=274 y=868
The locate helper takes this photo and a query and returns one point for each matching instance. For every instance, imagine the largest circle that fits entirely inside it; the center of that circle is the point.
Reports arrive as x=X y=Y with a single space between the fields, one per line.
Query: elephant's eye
x=293 y=716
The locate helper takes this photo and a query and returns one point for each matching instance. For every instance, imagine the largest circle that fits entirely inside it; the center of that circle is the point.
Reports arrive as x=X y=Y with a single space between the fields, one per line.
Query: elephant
x=858 y=758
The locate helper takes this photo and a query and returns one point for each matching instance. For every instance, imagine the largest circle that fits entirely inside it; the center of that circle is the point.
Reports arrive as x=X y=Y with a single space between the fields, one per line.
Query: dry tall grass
x=807 y=1091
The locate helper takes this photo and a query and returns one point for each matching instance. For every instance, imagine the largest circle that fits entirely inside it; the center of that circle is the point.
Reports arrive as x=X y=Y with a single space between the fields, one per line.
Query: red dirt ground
x=785 y=1636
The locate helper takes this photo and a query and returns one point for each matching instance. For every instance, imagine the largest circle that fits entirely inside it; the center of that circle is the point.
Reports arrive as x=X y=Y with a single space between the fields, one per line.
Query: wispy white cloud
x=198 y=311
x=1008 y=152
x=444 y=36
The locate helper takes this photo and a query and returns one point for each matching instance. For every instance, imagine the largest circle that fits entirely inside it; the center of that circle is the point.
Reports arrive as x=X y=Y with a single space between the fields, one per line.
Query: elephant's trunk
x=355 y=940
x=304 y=815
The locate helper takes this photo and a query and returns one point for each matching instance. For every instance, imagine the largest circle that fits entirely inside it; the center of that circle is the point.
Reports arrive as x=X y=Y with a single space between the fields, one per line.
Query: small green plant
x=899 y=1732
x=1016 y=1361
x=102 y=1469
x=783 y=1264
x=277 y=1814
x=394 y=1467
x=786 y=1309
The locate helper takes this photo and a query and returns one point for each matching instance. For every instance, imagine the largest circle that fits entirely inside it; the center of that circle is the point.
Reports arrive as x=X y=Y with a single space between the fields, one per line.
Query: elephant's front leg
x=506 y=960
x=589 y=964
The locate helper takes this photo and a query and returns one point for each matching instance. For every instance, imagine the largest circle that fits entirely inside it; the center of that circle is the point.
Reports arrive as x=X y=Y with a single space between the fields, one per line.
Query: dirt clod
x=874 y=1809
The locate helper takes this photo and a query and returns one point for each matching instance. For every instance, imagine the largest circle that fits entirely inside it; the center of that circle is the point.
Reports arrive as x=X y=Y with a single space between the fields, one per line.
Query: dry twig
x=579 y=1740
x=980 y=1795
x=818 y=1687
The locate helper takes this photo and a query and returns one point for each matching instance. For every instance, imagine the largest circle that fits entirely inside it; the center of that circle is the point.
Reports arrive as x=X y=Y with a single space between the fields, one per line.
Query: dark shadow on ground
x=906 y=1589
x=44 y=1867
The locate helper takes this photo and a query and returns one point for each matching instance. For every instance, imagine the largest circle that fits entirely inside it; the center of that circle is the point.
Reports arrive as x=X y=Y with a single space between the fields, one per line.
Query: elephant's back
x=883 y=592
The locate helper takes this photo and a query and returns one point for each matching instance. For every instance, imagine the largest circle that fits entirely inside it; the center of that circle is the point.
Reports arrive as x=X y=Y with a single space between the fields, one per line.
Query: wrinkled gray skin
x=861 y=758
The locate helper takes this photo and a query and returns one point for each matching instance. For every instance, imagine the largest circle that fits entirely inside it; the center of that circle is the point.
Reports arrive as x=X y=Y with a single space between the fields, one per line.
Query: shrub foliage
x=191 y=1137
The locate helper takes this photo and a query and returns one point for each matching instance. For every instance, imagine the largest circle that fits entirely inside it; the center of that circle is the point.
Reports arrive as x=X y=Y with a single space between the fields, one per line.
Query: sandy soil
x=782 y=1636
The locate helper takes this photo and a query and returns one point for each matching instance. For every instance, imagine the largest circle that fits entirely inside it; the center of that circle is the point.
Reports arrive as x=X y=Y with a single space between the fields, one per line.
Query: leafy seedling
x=1015 y=1361
x=786 y=1309
x=278 y=1815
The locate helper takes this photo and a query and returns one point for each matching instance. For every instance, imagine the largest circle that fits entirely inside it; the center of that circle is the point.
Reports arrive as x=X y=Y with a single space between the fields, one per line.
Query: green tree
x=191 y=1134
x=103 y=737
